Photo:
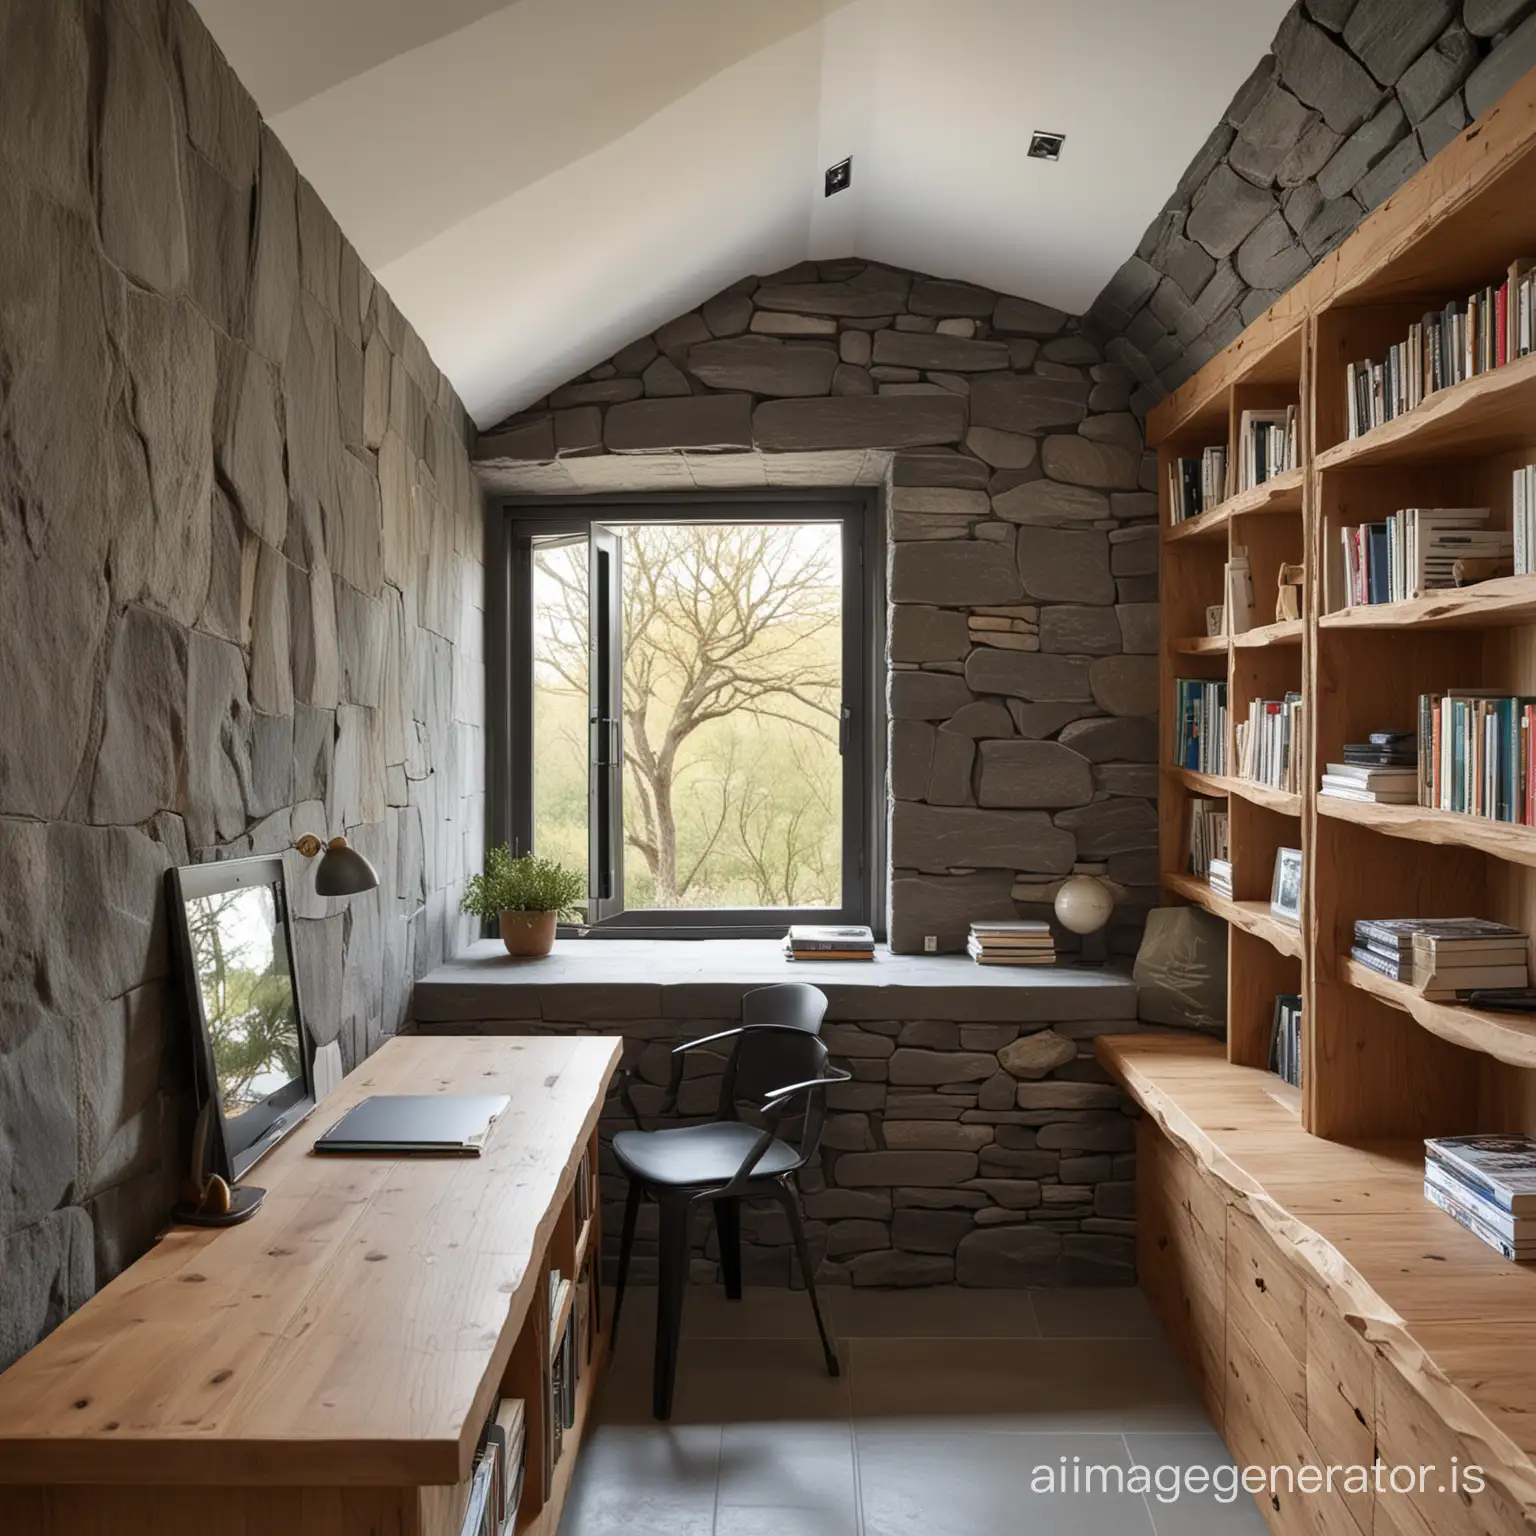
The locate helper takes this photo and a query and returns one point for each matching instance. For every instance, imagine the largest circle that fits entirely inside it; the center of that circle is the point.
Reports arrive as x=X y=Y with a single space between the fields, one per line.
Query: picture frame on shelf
x=1285 y=893
x=1216 y=619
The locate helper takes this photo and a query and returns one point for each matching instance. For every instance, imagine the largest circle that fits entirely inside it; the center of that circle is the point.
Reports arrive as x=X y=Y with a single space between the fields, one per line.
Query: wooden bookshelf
x=1252 y=916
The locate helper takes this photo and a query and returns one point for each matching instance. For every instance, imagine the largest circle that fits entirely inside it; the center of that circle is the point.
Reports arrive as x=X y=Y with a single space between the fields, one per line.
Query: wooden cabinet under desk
x=326 y=1368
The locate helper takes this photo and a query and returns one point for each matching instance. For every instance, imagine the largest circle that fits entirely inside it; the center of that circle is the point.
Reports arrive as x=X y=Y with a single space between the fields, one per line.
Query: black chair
x=782 y=1071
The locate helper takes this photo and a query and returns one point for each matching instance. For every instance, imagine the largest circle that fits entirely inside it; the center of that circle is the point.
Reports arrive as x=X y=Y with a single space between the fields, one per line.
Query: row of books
x=496 y=1485
x=1477 y=754
x=1285 y=1039
x=1267 y=445
x=1011 y=943
x=1488 y=1184
x=1267 y=745
x=1444 y=958
x=1195 y=485
x=1201 y=711
x=1219 y=877
x=1463 y=340
x=1420 y=550
x=807 y=941
x=1208 y=834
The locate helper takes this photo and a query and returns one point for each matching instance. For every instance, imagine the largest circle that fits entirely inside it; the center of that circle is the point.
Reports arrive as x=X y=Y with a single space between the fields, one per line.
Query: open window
x=690 y=709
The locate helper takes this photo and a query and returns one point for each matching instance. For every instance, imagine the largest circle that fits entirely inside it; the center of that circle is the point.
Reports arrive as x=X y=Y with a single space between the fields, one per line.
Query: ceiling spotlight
x=839 y=176
x=1046 y=146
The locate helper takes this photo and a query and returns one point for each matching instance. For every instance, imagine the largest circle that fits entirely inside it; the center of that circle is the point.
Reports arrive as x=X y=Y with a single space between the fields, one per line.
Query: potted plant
x=527 y=896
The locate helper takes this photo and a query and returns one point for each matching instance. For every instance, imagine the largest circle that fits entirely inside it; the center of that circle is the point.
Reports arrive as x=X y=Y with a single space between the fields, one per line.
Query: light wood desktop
x=328 y=1366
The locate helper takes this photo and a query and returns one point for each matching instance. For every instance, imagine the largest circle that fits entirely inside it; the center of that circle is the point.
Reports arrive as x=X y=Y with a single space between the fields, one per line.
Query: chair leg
x=728 y=1230
x=672 y=1286
x=790 y=1200
x=626 y=1246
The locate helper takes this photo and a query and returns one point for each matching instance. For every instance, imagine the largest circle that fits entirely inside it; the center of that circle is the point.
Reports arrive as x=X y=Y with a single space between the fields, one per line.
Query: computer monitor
x=254 y=1055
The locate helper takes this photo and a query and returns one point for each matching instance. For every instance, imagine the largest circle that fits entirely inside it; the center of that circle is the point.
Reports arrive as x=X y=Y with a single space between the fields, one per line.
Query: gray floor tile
x=945 y=1312
x=1178 y=1512
x=1021 y=1384
x=641 y=1480
x=1095 y=1312
x=788 y=1466
x=974 y=1485
x=768 y=1520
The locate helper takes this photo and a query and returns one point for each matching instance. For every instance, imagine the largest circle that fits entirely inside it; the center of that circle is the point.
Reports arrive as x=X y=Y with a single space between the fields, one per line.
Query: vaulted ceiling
x=537 y=183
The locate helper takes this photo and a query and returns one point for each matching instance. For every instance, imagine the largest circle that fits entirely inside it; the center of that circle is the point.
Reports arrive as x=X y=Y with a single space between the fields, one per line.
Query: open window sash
x=605 y=725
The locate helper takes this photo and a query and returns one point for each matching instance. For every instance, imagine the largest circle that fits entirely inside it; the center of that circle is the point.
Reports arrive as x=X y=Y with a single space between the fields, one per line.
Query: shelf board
x=1283 y=632
x=1281 y=494
x=1487 y=605
x=1492 y=413
x=1447 y=829
x=1283 y=801
x=1509 y=1037
x=1200 y=645
x=1251 y=916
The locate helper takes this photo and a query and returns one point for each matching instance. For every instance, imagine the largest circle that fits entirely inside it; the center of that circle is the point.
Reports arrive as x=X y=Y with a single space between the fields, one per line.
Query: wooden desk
x=328 y=1366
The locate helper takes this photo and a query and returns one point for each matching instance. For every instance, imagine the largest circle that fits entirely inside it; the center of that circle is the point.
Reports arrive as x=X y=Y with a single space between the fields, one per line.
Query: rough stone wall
x=1354 y=97
x=240 y=583
x=983 y=1154
x=1023 y=547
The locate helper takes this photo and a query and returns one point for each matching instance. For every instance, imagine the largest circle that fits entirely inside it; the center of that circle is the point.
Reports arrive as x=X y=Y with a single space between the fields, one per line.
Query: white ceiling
x=537 y=183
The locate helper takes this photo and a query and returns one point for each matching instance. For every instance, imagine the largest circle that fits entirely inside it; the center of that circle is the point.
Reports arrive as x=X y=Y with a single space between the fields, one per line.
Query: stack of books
x=1285 y=1039
x=806 y=942
x=1268 y=743
x=1444 y=958
x=1207 y=834
x=496 y=1486
x=1477 y=754
x=1266 y=444
x=1491 y=328
x=1017 y=943
x=1421 y=550
x=1201 y=706
x=1220 y=877
x=1197 y=484
x=1383 y=770
x=1488 y=1184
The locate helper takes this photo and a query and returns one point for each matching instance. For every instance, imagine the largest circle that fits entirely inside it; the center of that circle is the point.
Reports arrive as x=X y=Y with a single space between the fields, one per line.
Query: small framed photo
x=1285 y=894
x=1216 y=619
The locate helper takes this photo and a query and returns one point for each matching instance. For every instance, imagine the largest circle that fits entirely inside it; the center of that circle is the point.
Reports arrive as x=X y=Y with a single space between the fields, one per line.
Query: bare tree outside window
x=732 y=686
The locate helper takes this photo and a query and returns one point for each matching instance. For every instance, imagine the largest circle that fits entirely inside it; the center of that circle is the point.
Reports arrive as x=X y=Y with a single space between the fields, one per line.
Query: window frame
x=516 y=521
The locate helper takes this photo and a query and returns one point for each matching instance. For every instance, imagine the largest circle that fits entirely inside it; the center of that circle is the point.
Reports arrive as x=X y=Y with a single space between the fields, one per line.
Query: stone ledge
x=588 y=981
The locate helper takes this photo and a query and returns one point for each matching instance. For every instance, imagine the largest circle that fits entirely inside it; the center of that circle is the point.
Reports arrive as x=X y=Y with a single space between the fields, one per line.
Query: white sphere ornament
x=1083 y=904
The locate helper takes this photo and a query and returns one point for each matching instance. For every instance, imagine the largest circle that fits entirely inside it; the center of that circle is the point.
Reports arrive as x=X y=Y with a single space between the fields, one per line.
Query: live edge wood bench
x=1330 y=1315
x=326 y=1368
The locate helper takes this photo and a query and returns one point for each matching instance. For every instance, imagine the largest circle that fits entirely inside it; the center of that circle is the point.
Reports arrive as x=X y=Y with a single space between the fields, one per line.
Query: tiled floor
x=951 y=1406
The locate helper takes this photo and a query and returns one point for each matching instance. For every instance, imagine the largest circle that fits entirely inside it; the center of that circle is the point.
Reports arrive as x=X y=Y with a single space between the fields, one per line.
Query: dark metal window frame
x=516 y=521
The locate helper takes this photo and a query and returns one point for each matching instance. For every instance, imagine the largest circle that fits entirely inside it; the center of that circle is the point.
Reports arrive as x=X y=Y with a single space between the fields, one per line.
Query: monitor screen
x=237 y=951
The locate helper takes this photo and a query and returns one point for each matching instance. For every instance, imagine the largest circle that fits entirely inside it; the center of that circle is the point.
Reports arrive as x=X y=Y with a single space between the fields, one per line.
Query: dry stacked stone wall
x=1022 y=552
x=240 y=594
x=1353 y=98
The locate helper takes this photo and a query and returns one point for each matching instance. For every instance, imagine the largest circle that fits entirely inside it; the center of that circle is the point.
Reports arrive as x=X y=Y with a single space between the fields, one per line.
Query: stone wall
x=1023 y=548
x=240 y=583
x=986 y=1154
x=1354 y=97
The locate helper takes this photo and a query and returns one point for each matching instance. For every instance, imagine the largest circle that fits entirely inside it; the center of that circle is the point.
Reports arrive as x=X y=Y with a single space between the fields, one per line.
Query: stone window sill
x=608 y=981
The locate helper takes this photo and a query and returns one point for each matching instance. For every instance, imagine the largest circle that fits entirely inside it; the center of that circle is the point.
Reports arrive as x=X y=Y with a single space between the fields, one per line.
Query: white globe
x=1083 y=904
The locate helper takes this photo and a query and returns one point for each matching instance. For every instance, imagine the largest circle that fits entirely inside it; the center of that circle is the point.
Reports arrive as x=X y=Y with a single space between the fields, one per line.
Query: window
x=690 y=702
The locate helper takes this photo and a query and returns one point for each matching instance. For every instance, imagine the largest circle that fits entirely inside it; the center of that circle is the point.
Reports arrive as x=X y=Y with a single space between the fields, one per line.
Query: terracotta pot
x=528 y=935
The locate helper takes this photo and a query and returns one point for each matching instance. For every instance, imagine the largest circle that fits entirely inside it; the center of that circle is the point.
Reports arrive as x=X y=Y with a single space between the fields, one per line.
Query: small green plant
x=528 y=884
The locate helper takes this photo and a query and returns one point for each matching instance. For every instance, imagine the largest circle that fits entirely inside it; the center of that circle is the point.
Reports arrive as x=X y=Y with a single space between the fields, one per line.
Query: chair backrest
x=769 y=1056
x=794 y=1004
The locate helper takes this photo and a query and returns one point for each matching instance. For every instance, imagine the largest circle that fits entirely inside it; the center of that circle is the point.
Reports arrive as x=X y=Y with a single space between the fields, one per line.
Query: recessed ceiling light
x=1046 y=146
x=839 y=176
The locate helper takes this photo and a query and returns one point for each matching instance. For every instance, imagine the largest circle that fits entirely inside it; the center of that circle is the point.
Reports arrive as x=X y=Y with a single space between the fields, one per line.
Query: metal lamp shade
x=344 y=872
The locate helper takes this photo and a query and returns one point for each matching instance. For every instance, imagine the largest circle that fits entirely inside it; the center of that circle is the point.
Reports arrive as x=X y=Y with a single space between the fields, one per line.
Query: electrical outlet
x=930 y=943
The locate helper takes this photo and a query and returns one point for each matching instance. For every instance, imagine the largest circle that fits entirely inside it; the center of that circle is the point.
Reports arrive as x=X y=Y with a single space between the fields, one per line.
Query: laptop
x=450 y=1124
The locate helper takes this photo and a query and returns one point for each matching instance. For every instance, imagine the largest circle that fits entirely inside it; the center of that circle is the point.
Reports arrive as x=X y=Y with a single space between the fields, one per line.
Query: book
x=1208 y=834
x=1285 y=1039
x=811 y=937
x=1467 y=1217
x=1200 y=742
x=1501 y=1168
x=1519 y=1230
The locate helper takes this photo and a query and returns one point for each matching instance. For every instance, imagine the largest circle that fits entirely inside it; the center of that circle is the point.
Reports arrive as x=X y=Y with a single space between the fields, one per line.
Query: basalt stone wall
x=982 y=1154
x=1022 y=556
x=240 y=583
x=1354 y=97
